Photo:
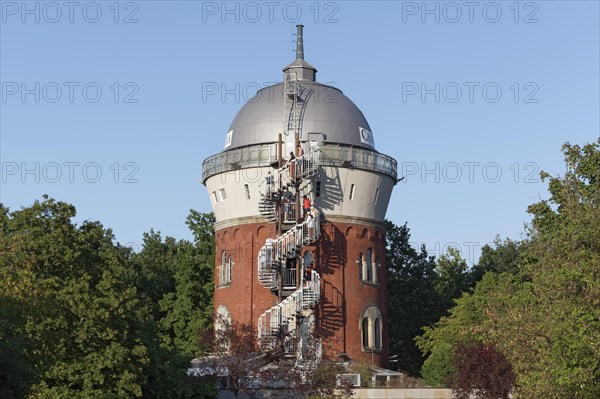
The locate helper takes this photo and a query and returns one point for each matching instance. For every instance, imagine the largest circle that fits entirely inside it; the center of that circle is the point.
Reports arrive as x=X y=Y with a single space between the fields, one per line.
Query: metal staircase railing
x=280 y=320
x=302 y=167
x=289 y=174
x=274 y=253
x=285 y=178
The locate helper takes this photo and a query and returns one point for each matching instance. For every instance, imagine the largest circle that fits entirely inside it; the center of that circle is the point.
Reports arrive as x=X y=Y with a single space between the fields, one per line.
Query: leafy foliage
x=413 y=301
x=438 y=366
x=79 y=319
x=81 y=322
x=452 y=278
x=420 y=291
x=545 y=318
x=561 y=292
x=468 y=322
x=16 y=373
x=176 y=276
x=481 y=371
x=502 y=257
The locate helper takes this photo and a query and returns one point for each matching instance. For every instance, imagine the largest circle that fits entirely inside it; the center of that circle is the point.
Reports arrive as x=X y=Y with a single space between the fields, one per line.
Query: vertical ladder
x=295 y=99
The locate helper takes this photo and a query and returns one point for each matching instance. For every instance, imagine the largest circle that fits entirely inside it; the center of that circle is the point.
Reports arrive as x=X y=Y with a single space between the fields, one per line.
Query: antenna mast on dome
x=299 y=42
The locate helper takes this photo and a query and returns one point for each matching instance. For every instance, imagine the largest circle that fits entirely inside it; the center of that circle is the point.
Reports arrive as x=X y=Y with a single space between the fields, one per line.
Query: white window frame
x=225 y=270
x=371 y=314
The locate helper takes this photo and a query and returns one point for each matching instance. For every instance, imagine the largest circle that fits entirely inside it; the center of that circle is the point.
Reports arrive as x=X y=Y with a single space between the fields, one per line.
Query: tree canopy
x=543 y=315
x=78 y=319
x=420 y=291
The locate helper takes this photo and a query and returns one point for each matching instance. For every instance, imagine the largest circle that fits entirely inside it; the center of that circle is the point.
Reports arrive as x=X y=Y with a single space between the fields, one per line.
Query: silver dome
x=327 y=111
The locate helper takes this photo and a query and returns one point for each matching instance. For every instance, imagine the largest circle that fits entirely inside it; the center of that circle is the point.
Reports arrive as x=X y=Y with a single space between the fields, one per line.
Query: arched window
x=376 y=269
x=369 y=264
x=371 y=329
x=361 y=274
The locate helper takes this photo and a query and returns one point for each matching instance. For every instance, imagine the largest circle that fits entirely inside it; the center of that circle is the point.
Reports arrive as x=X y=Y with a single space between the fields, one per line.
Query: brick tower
x=290 y=271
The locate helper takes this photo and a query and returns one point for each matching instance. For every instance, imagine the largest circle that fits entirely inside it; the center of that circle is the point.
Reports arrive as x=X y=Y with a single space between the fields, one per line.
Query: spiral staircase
x=279 y=324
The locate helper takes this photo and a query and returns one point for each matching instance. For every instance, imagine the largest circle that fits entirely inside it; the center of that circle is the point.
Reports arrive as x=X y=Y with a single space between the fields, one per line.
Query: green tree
x=15 y=371
x=82 y=321
x=452 y=278
x=438 y=366
x=413 y=301
x=167 y=375
x=559 y=328
x=545 y=319
x=176 y=277
x=500 y=257
x=188 y=309
x=470 y=321
x=155 y=267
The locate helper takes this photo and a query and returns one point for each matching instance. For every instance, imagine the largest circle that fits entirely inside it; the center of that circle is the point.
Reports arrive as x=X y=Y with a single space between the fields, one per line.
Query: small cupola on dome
x=299 y=69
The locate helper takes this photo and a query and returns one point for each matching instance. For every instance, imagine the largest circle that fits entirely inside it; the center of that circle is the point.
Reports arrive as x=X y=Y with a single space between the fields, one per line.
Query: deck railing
x=330 y=155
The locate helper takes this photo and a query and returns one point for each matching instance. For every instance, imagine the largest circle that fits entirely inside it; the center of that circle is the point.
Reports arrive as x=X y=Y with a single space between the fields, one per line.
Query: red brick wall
x=245 y=298
x=344 y=297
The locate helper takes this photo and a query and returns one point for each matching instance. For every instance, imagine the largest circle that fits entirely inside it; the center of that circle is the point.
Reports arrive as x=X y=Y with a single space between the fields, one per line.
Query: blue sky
x=112 y=105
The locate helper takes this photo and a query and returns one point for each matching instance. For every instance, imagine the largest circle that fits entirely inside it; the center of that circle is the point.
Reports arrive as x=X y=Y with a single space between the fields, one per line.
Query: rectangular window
x=352 y=191
x=222 y=194
x=377 y=334
x=376 y=196
x=318 y=190
x=214 y=197
x=247 y=191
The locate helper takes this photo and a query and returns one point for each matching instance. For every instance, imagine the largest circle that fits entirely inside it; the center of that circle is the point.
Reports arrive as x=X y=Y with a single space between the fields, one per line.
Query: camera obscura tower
x=300 y=195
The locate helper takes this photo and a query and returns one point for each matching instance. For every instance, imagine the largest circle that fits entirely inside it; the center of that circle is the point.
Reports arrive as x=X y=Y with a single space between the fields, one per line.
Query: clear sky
x=113 y=106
